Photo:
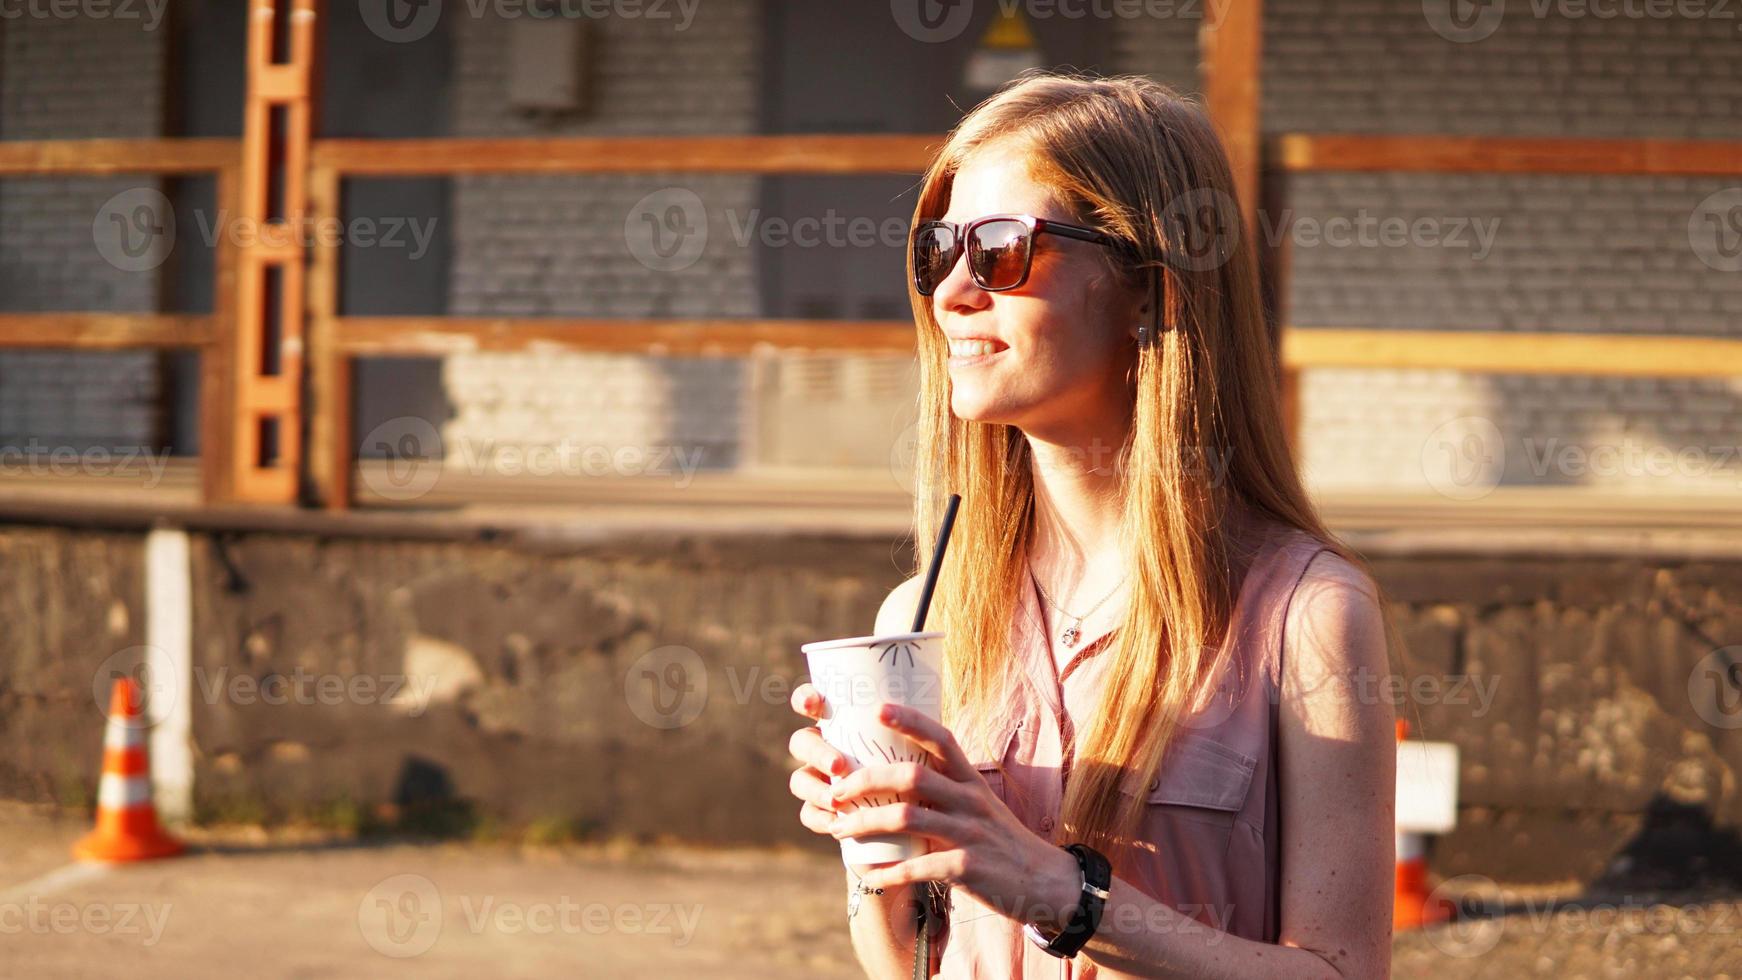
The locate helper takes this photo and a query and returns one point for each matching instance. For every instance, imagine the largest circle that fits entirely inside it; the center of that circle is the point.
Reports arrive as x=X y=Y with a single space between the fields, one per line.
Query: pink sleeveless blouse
x=1210 y=840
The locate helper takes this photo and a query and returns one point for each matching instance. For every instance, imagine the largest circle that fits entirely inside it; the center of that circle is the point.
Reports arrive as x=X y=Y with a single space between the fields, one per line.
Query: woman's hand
x=810 y=781
x=979 y=845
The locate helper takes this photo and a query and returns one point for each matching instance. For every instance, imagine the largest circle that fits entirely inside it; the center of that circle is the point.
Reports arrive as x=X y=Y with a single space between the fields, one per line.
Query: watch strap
x=1080 y=925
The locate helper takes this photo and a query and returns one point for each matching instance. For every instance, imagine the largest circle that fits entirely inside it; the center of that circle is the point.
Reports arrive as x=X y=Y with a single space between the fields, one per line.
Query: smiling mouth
x=962 y=351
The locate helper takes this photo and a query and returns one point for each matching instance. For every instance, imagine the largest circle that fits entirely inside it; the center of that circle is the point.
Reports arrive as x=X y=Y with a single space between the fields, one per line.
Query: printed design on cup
x=871 y=748
x=893 y=650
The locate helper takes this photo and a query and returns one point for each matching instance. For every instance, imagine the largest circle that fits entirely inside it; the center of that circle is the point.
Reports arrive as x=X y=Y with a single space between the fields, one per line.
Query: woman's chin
x=970 y=409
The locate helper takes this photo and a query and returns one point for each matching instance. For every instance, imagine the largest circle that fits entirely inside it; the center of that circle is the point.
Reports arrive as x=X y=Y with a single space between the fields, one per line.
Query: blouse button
x=1045 y=823
x=1155 y=784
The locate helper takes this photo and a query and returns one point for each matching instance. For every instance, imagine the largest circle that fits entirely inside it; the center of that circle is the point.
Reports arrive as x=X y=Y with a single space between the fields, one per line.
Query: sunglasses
x=1000 y=249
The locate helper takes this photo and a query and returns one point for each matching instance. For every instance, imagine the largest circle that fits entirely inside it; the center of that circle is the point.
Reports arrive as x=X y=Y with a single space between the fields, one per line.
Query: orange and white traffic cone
x=1413 y=906
x=127 y=828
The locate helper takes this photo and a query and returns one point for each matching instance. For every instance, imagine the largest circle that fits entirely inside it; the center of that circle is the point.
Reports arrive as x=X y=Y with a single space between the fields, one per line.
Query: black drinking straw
x=922 y=933
x=937 y=560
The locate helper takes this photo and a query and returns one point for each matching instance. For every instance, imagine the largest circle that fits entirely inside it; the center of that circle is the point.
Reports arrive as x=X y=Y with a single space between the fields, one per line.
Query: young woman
x=1153 y=646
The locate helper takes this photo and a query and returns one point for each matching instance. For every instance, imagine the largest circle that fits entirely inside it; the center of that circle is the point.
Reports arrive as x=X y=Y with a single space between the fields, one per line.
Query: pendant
x=1070 y=636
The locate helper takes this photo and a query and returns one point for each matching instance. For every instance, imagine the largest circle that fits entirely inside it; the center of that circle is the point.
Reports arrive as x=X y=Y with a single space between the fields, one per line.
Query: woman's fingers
x=808 y=747
x=909 y=780
x=945 y=865
x=808 y=701
x=815 y=819
x=809 y=785
x=932 y=737
x=899 y=818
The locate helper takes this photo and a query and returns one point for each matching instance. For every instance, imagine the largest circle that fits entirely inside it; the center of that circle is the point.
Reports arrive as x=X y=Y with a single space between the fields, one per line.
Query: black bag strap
x=931 y=915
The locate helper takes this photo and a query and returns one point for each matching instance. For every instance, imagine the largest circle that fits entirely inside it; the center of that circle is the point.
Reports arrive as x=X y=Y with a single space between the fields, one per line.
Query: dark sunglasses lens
x=998 y=253
x=934 y=253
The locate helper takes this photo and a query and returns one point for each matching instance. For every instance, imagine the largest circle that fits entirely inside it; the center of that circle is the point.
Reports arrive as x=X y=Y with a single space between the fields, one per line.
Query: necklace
x=1073 y=632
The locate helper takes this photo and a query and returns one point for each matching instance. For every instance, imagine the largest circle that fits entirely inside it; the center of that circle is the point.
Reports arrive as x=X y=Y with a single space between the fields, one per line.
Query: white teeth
x=971 y=348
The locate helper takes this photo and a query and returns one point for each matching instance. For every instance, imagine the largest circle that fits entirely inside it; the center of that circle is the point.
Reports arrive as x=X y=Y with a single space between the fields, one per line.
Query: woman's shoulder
x=896 y=613
x=1332 y=619
x=1310 y=564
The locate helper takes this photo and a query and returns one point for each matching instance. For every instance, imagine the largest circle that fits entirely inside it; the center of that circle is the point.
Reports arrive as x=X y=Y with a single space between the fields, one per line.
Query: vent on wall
x=548 y=62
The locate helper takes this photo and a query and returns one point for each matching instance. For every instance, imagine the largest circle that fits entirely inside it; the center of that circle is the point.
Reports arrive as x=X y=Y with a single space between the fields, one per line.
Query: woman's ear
x=1144 y=323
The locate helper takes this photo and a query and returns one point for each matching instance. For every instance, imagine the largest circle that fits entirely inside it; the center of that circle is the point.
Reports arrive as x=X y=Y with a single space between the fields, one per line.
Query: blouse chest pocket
x=992 y=760
x=1201 y=780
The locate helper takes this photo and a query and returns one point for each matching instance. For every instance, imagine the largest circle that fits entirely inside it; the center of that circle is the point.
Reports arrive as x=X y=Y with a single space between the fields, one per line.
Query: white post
x=169 y=629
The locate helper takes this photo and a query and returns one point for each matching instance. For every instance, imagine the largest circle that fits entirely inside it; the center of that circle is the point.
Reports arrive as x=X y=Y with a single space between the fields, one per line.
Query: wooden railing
x=1610 y=355
x=208 y=333
x=337 y=340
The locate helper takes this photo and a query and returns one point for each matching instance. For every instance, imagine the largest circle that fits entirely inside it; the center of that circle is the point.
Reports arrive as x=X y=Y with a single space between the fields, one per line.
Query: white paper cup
x=855 y=676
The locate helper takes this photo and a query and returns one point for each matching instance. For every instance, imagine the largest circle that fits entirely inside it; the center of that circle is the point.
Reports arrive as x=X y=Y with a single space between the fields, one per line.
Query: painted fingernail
x=839 y=766
x=890 y=714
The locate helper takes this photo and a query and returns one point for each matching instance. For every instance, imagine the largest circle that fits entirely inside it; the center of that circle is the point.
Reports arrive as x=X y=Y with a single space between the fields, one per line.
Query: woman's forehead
x=996 y=182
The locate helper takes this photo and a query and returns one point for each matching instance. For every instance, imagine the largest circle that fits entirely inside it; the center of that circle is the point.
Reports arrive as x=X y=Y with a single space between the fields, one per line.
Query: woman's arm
x=1338 y=778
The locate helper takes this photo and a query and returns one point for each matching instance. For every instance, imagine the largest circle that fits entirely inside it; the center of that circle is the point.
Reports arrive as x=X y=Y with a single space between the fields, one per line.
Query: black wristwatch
x=1097 y=879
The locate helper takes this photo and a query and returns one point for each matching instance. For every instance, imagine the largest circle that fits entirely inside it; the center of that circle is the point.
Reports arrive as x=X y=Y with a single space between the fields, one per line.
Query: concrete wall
x=638 y=684
x=64 y=78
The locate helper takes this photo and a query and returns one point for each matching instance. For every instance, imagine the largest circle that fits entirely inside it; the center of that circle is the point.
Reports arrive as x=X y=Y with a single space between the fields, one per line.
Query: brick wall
x=565 y=246
x=75 y=78
x=1568 y=253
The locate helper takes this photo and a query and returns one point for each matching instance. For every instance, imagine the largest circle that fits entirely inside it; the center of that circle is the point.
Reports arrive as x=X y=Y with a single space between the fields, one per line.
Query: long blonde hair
x=1132 y=158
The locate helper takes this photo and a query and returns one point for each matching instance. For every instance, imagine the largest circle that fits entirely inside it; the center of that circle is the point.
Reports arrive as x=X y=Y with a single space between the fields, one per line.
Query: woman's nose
x=958 y=292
